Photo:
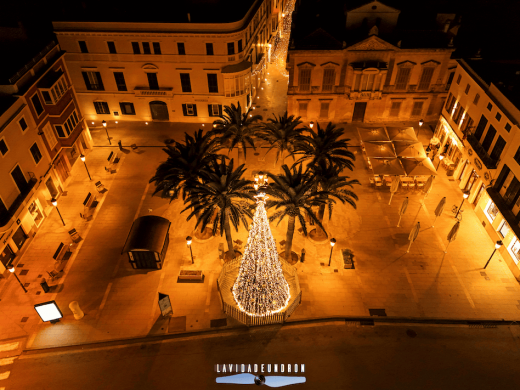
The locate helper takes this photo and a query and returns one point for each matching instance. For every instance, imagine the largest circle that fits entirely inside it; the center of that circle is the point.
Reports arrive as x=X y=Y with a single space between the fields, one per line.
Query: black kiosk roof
x=148 y=233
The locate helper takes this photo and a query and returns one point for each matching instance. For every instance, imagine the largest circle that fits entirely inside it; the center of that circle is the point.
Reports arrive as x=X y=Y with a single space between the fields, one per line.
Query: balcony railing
x=153 y=92
x=489 y=162
x=20 y=199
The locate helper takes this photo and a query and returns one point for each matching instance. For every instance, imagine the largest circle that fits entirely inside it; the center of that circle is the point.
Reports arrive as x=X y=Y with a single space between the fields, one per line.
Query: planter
x=348 y=259
x=190 y=275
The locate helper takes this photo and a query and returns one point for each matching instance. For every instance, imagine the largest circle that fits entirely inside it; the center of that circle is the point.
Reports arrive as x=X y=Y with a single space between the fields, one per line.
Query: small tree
x=221 y=197
x=237 y=128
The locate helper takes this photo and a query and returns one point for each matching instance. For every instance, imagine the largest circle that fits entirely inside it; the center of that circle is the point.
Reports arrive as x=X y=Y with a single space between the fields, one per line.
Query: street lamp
x=498 y=244
x=421 y=122
x=311 y=125
x=465 y=196
x=55 y=204
x=332 y=243
x=261 y=181
x=105 y=126
x=11 y=269
x=441 y=156
x=188 y=242
x=82 y=157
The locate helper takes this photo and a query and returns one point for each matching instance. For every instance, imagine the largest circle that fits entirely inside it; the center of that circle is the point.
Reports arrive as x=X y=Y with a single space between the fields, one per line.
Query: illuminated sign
x=48 y=311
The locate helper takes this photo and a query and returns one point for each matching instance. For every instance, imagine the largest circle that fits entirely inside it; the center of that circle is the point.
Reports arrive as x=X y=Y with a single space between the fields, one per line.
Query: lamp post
x=311 y=125
x=188 y=242
x=82 y=157
x=465 y=196
x=332 y=243
x=55 y=204
x=421 y=122
x=11 y=269
x=498 y=244
x=440 y=159
x=105 y=126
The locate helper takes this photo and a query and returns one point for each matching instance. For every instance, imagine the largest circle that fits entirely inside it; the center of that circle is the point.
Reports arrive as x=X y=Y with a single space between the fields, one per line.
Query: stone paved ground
x=121 y=302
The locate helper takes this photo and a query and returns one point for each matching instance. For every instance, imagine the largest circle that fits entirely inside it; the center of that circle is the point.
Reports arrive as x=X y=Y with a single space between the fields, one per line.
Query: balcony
x=143 y=91
x=363 y=95
x=481 y=153
x=19 y=201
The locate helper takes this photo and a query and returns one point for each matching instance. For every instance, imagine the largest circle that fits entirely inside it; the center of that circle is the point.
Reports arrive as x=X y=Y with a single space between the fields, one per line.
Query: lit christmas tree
x=260 y=288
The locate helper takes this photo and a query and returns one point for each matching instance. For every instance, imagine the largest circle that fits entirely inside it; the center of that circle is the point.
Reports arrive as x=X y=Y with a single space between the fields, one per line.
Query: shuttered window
x=329 y=76
x=481 y=127
x=302 y=108
x=395 y=108
x=101 y=108
x=488 y=139
x=305 y=79
x=426 y=78
x=498 y=148
x=401 y=81
x=212 y=83
x=93 y=81
x=214 y=109
x=185 y=82
x=189 y=109
x=324 y=109
x=417 y=108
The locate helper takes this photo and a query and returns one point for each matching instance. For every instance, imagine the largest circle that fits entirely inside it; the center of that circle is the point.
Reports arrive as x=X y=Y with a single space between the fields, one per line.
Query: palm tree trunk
x=289 y=237
x=321 y=214
x=240 y=154
x=229 y=239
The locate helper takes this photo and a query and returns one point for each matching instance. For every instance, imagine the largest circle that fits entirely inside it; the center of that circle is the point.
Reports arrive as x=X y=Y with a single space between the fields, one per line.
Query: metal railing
x=489 y=162
x=31 y=63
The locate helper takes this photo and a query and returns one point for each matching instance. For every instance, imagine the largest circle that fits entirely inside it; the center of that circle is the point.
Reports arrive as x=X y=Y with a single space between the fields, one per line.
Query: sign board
x=165 y=305
x=48 y=311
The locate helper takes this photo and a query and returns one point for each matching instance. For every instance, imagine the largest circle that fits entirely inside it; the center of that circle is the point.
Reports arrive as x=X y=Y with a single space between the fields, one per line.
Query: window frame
x=397 y=102
x=56 y=91
x=210 y=84
x=508 y=127
x=231 y=48
x=423 y=85
x=99 y=80
x=498 y=116
x=127 y=104
x=459 y=78
x=416 y=102
x=307 y=86
x=219 y=109
x=489 y=216
x=183 y=82
x=110 y=48
x=34 y=106
x=400 y=85
x=22 y=118
x=153 y=81
x=119 y=86
x=147 y=49
x=179 y=51
x=39 y=151
x=476 y=99
x=66 y=126
x=136 y=49
x=489 y=106
x=329 y=74
x=212 y=49
x=81 y=48
x=5 y=143
x=155 y=46
x=103 y=106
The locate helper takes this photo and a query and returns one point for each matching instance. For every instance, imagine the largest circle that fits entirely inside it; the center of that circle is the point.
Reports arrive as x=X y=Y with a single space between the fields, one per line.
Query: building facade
x=42 y=134
x=377 y=73
x=179 y=72
x=480 y=143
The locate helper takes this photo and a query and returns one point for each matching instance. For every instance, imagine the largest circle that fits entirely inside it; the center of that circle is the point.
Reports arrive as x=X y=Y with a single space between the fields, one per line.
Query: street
x=337 y=355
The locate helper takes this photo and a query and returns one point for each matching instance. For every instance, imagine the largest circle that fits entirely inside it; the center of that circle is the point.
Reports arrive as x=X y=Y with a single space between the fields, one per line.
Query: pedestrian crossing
x=7 y=350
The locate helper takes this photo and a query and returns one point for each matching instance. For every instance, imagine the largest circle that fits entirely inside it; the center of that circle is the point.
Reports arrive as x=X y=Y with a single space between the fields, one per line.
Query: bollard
x=74 y=307
x=45 y=286
x=302 y=259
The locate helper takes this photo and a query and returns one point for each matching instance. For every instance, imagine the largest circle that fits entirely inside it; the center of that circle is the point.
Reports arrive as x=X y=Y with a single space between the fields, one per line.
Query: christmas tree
x=260 y=288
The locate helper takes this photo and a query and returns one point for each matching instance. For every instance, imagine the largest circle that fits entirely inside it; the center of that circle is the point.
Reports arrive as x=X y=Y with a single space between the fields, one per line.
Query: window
x=214 y=109
x=23 y=124
x=477 y=98
x=111 y=47
x=498 y=116
x=93 y=81
x=357 y=82
x=459 y=77
x=153 y=83
x=37 y=104
x=101 y=108
x=181 y=49
x=401 y=81
x=514 y=250
x=189 y=109
x=302 y=107
x=504 y=229
x=450 y=101
x=83 y=46
x=426 y=78
x=185 y=82
x=135 y=48
x=35 y=151
x=329 y=76
x=489 y=107
x=68 y=126
x=458 y=114
x=395 y=108
x=239 y=43
x=467 y=89
x=146 y=48
x=120 y=81
x=517 y=156
x=236 y=86
x=3 y=147
x=156 y=47
x=305 y=79
x=508 y=127
x=127 y=108
x=498 y=148
x=53 y=94
x=417 y=108
x=50 y=136
x=209 y=49
x=469 y=124
x=324 y=109
x=481 y=127
x=450 y=80
x=231 y=48
x=212 y=83
x=367 y=82
x=488 y=139
x=491 y=211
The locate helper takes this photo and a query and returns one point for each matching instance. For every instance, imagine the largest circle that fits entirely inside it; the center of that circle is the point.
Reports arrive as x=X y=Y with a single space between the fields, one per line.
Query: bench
x=90 y=201
x=100 y=188
x=74 y=235
x=63 y=252
x=190 y=275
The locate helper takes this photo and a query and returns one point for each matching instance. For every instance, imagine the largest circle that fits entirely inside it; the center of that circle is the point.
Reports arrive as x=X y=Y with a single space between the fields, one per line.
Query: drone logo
x=269 y=380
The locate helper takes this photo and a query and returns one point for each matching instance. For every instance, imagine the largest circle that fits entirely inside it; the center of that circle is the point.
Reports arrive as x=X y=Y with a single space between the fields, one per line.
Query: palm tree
x=325 y=145
x=282 y=134
x=237 y=128
x=294 y=196
x=328 y=180
x=185 y=163
x=221 y=197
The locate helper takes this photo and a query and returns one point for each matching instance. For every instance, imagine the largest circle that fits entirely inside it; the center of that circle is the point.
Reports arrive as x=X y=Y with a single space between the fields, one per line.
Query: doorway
x=19 y=238
x=61 y=169
x=19 y=178
x=359 y=112
x=471 y=180
x=6 y=256
x=159 y=111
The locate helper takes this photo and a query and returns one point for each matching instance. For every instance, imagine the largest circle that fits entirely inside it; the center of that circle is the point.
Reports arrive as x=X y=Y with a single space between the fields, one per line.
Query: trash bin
x=45 y=286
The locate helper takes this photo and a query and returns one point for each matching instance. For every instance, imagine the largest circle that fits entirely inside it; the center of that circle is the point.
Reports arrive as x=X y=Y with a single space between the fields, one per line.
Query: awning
x=401 y=133
x=373 y=134
x=390 y=166
x=418 y=166
x=415 y=150
x=148 y=233
x=379 y=149
x=235 y=68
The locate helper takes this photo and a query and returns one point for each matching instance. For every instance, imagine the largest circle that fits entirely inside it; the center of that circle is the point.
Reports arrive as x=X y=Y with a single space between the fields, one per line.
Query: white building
x=180 y=72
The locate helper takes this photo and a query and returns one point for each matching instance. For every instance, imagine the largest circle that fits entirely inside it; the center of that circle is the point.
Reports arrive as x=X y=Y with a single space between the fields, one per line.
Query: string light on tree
x=260 y=288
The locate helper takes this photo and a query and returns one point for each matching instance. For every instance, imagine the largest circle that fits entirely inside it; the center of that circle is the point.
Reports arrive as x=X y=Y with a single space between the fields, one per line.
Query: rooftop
x=6 y=101
x=19 y=54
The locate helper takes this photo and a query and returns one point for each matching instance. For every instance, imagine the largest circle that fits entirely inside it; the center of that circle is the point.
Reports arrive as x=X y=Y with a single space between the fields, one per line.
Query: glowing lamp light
x=261 y=176
x=311 y=125
x=117 y=122
x=48 y=311
x=465 y=195
x=171 y=192
x=256 y=186
x=421 y=122
x=441 y=157
x=11 y=269
x=214 y=125
x=188 y=240
x=54 y=202
x=146 y=122
x=250 y=115
x=203 y=125
x=332 y=241
x=92 y=122
x=82 y=157
x=104 y=123
x=498 y=244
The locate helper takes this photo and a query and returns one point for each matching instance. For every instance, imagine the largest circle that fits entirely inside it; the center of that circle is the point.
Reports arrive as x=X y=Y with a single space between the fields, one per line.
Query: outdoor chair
x=404 y=184
x=379 y=183
x=100 y=188
x=75 y=236
x=420 y=184
x=411 y=184
x=133 y=146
